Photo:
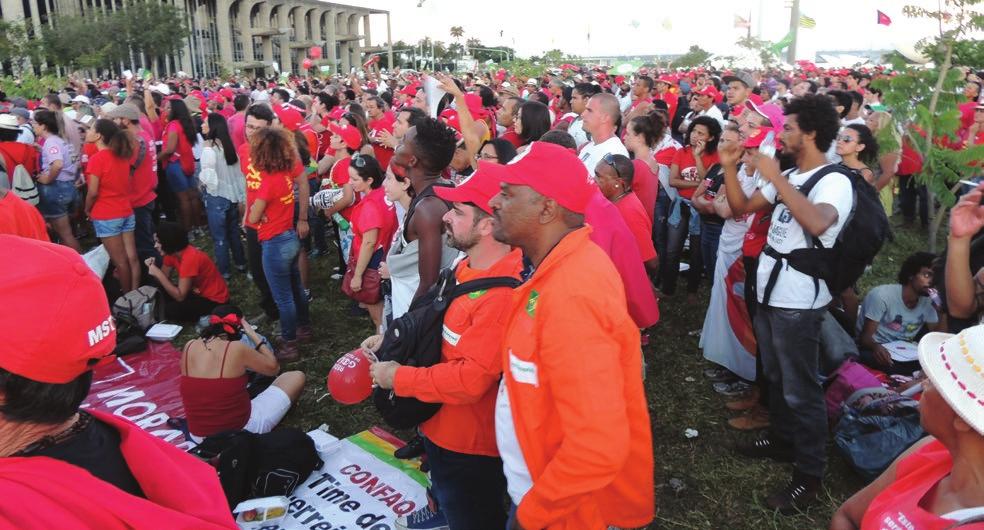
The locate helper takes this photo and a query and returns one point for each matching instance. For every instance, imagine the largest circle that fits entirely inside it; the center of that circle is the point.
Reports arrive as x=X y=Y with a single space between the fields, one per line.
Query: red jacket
x=182 y=492
x=580 y=412
x=466 y=379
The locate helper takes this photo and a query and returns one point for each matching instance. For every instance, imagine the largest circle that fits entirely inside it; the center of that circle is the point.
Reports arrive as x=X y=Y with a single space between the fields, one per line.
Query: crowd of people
x=594 y=191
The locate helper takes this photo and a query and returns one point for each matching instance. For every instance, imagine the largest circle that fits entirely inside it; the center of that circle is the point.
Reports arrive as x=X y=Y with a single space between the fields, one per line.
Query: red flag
x=884 y=19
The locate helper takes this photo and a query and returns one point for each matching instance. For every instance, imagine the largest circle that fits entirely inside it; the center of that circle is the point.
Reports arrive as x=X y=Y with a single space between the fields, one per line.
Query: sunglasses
x=846 y=139
x=358 y=161
x=610 y=160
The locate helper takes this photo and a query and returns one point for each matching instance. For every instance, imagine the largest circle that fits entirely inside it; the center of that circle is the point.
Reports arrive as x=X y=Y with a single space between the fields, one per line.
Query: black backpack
x=259 y=465
x=415 y=338
x=856 y=246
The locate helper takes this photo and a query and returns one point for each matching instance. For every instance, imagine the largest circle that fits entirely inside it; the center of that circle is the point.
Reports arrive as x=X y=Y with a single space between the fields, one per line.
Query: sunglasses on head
x=610 y=160
x=358 y=161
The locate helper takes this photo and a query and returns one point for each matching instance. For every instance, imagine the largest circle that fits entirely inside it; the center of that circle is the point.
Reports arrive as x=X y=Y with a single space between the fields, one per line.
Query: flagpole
x=794 y=18
x=749 y=27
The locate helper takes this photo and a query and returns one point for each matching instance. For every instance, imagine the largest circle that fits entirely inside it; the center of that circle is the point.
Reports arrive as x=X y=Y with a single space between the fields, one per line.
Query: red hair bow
x=229 y=322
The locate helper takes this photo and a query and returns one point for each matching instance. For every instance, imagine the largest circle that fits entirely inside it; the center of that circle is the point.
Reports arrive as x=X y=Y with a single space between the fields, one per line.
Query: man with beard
x=791 y=303
x=571 y=421
x=466 y=472
x=895 y=314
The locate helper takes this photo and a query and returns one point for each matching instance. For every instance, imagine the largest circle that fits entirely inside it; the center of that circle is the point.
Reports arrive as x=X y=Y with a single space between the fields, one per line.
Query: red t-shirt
x=113 y=200
x=145 y=176
x=383 y=153
x=899 y=505
x=373 y=212
x=18 y=217
x=15 y=154
x=183 y=153
x=757 y=234
x=88 y=149
x=666 y=156
x=340 y=176
x=639 y=223
x=277 y=189
x=513 y=138
x=237 y=129
x=640 y=101
x=205 y=279
x=254 y=177
x=684 y=159
x=645 y=184
x=672 y=101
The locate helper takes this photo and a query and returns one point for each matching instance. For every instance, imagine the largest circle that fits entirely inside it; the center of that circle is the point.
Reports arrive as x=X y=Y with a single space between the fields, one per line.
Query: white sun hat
x=955 y=365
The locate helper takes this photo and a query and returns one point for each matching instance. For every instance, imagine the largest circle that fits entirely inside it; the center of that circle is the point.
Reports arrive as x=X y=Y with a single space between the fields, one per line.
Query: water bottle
x=340 y=221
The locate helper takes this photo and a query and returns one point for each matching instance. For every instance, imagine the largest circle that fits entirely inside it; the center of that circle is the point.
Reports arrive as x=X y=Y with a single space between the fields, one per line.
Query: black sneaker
x=413 y=449
x=766 y=448
x=801 y=491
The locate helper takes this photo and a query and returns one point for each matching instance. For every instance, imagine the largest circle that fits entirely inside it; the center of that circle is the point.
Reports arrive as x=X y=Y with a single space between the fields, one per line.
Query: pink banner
x=143 y=388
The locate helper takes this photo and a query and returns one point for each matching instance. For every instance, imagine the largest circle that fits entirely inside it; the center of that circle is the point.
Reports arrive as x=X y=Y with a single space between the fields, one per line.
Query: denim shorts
x=114 y=227
x=177 y=179
x=57 y=198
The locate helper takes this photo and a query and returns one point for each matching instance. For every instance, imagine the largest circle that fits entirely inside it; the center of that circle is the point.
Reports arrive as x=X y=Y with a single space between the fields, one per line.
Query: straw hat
x=955 y=365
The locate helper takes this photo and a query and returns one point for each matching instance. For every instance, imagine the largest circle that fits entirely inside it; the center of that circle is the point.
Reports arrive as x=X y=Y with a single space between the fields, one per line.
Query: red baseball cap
x=708 y=90
x=756 y=140
x=553 y=171
x=289 y=116
x=478 y=189
x=350 y=135
x=336 y=113
x=58 y=324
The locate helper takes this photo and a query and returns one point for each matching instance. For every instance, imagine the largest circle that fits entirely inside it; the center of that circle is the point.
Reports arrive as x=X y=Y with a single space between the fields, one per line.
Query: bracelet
x=262 y=342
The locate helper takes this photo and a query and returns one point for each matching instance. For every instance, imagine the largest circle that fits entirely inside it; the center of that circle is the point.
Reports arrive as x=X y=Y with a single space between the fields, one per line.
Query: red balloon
x=315 y=52
x=307 y=64
x=349 y=381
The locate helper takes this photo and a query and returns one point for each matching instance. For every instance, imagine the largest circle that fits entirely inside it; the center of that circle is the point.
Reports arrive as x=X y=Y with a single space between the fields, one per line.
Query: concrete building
x=244 y=35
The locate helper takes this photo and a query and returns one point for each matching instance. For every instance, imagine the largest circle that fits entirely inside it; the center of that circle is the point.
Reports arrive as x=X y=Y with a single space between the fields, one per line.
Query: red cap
x=474 y=103
x=350 y=135
x=478 y=189
x=755 y=98
x=228 y=93
x=411 y=89
x=336 y=113
x=668 y=79
x=57 y=323
x=450 y=118
x=708 y=90
x=756 y=140
x=554 y=172
x=289 y=116
x=619 y=79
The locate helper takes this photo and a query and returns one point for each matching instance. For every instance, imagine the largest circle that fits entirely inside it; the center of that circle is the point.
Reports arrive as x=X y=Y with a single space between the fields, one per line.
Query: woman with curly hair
x=271 y=209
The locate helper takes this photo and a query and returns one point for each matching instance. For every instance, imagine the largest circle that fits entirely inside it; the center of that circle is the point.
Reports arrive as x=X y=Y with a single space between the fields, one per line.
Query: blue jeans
x=114 y=227
x=469 y=488
x=144 y=232
x=660 y=230
x=710 y=234
x=280 y=266
x=57 y=199
x=177 y=178
x=223 y=224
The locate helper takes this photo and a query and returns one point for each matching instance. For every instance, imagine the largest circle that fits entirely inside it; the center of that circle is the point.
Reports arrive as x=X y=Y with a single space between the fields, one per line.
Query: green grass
x=721 y=490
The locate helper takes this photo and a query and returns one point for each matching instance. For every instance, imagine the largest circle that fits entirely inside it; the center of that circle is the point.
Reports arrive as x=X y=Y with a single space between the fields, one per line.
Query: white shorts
x=267 y=409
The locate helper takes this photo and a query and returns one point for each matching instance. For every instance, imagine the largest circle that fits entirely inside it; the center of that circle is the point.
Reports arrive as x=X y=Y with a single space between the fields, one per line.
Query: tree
x=457 y=32
x=17 y=48
x=926 y=106
x=965 y=53
x=695 y=56
x=760 y=46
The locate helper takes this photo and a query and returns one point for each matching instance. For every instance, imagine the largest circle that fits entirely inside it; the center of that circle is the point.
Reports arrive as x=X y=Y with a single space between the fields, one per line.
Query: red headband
x=229 y=322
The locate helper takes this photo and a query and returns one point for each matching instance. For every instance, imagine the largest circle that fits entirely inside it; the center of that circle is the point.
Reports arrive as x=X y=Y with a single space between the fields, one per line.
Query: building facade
x=241 y=35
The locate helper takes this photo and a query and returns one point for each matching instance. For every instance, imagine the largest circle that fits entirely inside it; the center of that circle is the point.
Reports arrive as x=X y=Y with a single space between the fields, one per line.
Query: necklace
x=82 y=421
x=616 y=199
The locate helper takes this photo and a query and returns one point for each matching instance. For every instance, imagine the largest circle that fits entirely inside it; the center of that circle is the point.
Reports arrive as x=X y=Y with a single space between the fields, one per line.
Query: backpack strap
x=483 y=284
x=428 y=192
x=813 y=241
x=141 y=154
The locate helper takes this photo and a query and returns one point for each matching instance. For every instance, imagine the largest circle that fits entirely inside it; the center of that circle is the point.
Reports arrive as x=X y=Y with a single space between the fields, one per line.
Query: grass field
x=720 y=490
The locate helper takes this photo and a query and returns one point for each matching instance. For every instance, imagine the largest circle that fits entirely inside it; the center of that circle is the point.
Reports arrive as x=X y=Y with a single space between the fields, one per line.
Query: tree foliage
x=695 y=56
x=762 y=47
x=17 y=48
x=138 y=28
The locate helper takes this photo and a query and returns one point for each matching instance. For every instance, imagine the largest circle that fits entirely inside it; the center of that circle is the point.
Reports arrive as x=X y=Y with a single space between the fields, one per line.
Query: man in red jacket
x=61 y=467
x=466 y=472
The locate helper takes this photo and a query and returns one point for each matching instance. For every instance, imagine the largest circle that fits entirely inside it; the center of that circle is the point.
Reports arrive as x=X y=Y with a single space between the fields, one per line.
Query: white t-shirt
x=713 y=112
x=793 y=289
x=518 y=479
x=576 y=130
x=593 y=153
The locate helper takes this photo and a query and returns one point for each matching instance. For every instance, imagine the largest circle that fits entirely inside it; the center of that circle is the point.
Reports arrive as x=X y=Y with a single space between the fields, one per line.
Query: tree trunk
x=937 y=216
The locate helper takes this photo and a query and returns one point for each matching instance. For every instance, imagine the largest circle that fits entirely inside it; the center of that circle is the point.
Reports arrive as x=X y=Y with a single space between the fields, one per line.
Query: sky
x=648 y=26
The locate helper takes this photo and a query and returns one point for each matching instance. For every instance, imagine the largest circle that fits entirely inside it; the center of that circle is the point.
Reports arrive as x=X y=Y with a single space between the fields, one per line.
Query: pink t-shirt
x=237 y=129
x=611 y=233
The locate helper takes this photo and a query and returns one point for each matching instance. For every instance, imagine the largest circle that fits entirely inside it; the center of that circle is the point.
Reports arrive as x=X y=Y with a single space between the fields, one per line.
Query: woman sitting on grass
x=200 y=287
x=213 y=379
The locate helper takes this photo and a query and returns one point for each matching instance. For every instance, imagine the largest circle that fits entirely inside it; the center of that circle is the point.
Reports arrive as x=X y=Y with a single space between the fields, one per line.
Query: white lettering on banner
x=450 y=336
x=123 y=402
x=523 y=371
x=100 y=332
